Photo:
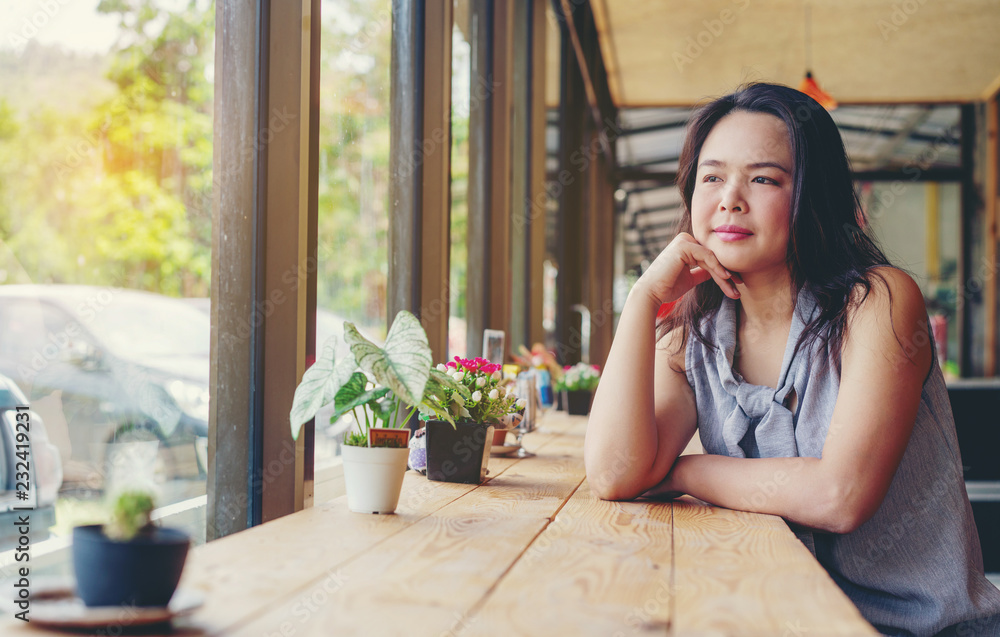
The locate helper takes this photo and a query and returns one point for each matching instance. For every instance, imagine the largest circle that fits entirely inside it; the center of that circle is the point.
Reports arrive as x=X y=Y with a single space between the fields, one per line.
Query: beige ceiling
x=678 y=52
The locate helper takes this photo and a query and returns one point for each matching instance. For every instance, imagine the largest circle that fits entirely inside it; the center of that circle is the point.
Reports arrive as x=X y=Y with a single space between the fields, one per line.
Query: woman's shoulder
x=888 y=315
x=891 y=290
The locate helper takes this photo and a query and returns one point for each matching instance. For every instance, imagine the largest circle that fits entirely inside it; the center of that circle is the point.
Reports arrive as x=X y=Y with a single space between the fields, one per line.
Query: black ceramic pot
x=458 y=454
x=577 y=403
x=140 y=572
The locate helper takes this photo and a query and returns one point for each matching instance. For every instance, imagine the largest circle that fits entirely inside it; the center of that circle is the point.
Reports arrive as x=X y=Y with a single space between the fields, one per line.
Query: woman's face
x=741 y=205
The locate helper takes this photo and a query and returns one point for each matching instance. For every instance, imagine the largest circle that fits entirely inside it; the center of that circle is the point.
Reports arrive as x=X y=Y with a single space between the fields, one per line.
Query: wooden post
x=966 y=240
x=536 y=207
x=286 y=467
x=520 y=160
x=420 y=166
x=236 y=94
x=489 y=279
x=570 y=184
x=264 y=228
x=991 y=284
x=498 y=248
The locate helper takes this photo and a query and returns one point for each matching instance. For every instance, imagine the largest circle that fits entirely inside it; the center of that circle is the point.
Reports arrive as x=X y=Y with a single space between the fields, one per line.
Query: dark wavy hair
x=830 y=250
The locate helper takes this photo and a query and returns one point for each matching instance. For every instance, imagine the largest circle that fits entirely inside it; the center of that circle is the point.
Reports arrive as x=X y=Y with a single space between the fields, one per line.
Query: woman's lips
x=732 y=233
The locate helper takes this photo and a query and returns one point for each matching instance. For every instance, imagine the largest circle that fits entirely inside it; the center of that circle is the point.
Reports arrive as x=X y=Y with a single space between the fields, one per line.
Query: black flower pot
x=458 y=454
x=560 y=405
x=141 y=572
x=577 y=403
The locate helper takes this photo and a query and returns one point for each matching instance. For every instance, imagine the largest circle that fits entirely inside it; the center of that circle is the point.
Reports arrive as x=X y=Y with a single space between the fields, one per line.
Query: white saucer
x=53 y=603
x=504 y=450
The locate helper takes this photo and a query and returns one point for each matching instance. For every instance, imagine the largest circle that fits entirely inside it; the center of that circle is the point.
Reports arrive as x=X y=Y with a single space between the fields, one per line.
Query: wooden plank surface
x=300 y=557
x=600 y=568
x=530 y=552
x=441 y=565
x=747 y=574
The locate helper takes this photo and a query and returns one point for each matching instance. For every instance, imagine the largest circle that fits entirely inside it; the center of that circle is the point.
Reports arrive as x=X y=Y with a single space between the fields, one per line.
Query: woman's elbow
x=610 y=479
x=613 y=473
x=611 y=492
x=842 y=511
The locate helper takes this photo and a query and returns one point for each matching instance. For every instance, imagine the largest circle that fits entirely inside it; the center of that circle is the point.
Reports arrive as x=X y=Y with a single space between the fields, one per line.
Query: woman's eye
x=711 y=178
x=764 y=180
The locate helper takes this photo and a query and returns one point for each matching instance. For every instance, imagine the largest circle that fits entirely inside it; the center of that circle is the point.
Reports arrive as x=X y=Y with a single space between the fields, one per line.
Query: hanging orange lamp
x=808 y=85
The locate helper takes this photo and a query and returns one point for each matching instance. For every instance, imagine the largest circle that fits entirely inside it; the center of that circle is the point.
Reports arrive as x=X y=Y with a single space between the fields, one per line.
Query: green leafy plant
x=375 y=384
x=130 y=515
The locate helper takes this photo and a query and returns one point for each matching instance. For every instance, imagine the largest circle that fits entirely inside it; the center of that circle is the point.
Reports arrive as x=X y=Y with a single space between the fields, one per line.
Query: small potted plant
x=470 y=393
x=378 y=386
x=130 y=561
x=577 y=387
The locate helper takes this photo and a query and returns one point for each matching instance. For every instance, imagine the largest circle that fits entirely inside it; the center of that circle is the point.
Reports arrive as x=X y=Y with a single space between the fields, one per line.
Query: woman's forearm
x=621 y=441
x=797 y=489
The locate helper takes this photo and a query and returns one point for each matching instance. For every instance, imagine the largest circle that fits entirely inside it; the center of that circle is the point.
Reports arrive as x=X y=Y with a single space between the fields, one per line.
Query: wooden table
x=531 y=552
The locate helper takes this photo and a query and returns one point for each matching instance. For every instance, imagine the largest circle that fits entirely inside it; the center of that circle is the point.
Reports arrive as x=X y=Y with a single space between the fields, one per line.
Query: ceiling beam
x=889 y=132
x=653 y=128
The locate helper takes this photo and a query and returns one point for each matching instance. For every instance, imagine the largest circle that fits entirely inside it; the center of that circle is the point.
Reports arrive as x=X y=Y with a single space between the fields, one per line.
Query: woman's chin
x=735 y=262
x=741 y=264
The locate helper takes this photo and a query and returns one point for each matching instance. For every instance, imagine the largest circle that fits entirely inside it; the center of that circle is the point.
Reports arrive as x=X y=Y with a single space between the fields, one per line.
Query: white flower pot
x=373 y=477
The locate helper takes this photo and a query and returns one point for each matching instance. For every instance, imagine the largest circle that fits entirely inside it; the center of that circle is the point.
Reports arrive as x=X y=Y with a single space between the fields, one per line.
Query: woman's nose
x=732 y=199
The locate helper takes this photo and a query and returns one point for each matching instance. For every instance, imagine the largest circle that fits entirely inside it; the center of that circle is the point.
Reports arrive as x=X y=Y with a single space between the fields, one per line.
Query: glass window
x=105 y=250
x=353 y=185
x=461 y=92
x=918 y=226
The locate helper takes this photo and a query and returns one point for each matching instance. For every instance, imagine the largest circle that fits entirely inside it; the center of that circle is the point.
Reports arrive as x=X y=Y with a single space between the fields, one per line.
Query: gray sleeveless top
x=916 y=567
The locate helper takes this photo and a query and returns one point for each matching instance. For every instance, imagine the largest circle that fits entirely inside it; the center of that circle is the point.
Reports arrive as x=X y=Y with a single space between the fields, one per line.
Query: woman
x=807 y=365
